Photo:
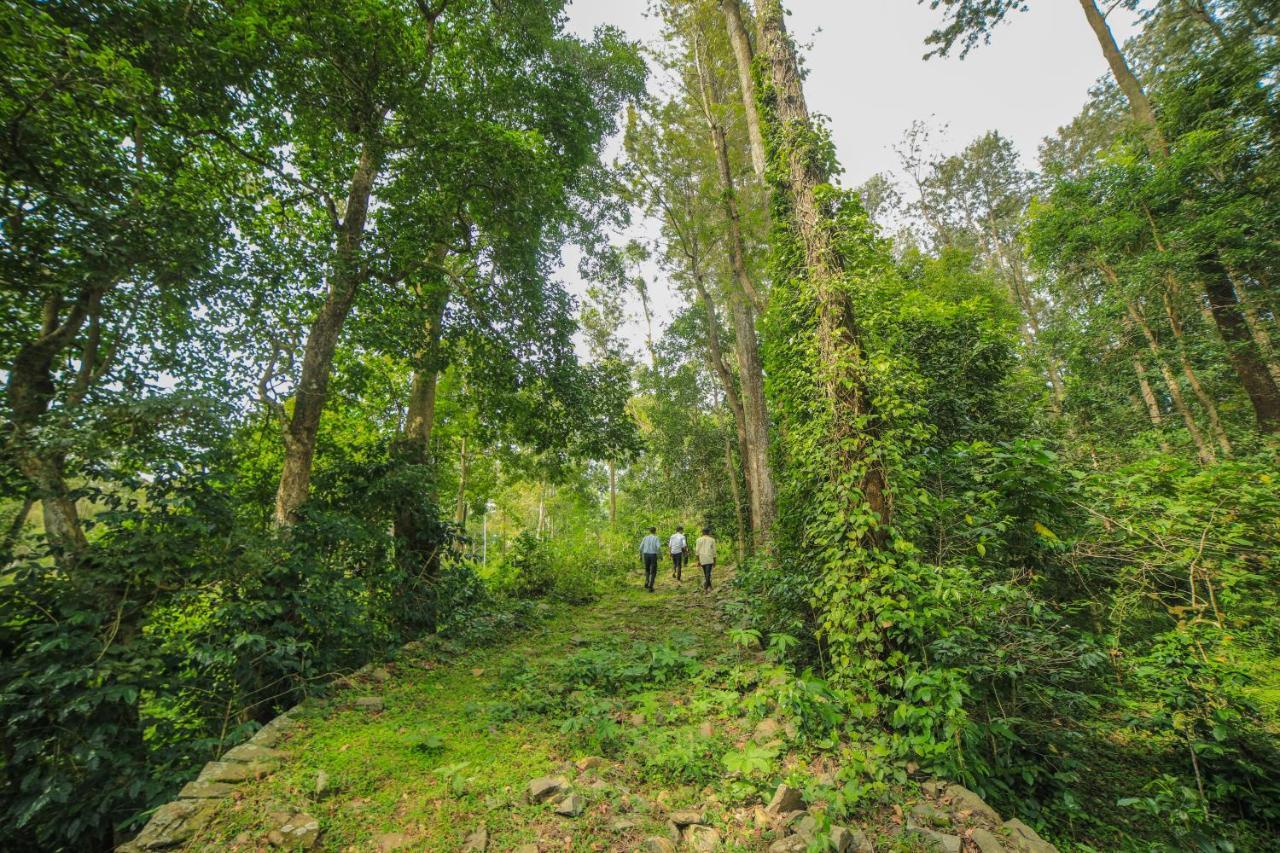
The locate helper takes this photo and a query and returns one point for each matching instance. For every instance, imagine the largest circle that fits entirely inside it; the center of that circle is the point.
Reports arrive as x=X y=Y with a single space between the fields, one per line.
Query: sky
x=867 y=76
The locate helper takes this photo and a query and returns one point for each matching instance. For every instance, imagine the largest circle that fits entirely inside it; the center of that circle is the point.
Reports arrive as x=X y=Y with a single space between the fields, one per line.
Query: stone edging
x=175 y=822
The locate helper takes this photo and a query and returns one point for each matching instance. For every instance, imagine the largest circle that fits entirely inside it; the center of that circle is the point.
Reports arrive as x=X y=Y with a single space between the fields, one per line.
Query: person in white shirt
x=677 y=545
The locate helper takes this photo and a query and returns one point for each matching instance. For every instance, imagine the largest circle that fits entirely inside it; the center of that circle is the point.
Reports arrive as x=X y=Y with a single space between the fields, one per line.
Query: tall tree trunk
x=1149 y=398
x=322 y=340
x=716 y=359
x=1263 y=390
x=731 y=471
x=1206 y=401
x=743 y=55
x=1257 y=327
x=1203 y=450
x=15 y=530
x=839 y=348
x=1139 y=103
x=460 y=508
x=742 y=299
x=30 y=390
x=416 y=545
x=613 y=494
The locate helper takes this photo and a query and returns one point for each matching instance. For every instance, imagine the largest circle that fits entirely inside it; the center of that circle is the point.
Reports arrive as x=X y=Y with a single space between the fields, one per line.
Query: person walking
x=678 y=546
x=650 y=547
x=706 y=553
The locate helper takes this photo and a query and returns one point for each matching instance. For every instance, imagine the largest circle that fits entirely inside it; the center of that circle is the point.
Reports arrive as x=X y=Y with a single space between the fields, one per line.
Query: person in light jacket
x=706 y=552
x=650 y=547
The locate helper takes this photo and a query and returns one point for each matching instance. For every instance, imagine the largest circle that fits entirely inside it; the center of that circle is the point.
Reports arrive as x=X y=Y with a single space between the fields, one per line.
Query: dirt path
x=633 y=700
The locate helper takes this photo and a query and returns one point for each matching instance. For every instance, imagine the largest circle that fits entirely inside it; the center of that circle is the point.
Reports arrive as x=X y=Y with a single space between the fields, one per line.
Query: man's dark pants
x=677 y=563
x=706 y=575
x=650 y=570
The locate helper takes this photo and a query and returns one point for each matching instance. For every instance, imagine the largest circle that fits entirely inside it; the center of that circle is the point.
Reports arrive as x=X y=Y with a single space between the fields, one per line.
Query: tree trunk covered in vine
x=839 y=349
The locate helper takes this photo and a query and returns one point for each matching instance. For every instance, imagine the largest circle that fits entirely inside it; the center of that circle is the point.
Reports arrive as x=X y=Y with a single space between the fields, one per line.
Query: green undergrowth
x=659 y=686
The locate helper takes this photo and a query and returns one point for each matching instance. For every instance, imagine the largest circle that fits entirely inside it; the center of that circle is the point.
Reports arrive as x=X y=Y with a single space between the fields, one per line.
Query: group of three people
x=704 y=549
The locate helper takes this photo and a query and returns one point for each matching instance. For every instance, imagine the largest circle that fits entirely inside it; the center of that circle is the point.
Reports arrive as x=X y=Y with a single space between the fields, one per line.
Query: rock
x=301 y=830
x=941 y=841
x=785 y=799
x=932 y=789
x=846 y=840
x=623 y=824
x=273 y=732
x=477 y=841
x=276 y=838
x=526 y=848
x=766 y=730
x=684 y=817
x=790 y=844
x=381 y=674
x=1025 y=839
x=658 y=844
x=546 y=787
x=172 y=824
x=805 y=825
x=570 y=806
x=322 y=783
x=636 y=720
x=707 y=730
x=987 y=841
x=233 y=771
x=962 y=799
x=702 y=838
x=591 y=762
x=205 y=790
x=372 y=704
x=251 y=752
x=389 y=841
x=929 y=816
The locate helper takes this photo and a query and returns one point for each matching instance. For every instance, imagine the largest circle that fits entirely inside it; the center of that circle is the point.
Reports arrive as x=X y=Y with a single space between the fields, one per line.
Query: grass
x=460 y=739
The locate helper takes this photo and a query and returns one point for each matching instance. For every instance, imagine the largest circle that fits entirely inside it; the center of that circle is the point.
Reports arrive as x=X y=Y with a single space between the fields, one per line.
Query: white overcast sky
x=867 y=76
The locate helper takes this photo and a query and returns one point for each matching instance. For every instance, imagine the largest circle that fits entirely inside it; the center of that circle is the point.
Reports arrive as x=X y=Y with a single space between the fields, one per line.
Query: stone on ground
x=785 y=799
x=233 y=771
x=300 y=831
x=790 y=844
x=205 y=790
x=684 y=817
x=964 y=800
x=702 y=838
x=570 y=806
x=986 y=841
x=251 y=752
x=941 y=841
x=370 y=703
x=658 y=844
x=477 y=841
x=846 y=840
x=545 y=787
x=766 y=730
x=389 y=841
x=1025 y=838
x=591 y=762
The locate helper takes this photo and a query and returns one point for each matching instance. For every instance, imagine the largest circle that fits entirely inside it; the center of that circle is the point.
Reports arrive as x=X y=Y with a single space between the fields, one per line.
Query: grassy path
x=650 y=681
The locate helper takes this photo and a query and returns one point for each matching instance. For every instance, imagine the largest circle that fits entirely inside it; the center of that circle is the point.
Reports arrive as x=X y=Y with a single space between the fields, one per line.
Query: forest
x=294 y=385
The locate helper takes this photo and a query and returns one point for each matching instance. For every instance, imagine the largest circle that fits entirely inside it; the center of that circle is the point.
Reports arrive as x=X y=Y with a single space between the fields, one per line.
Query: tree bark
x=742 y=300
x=716 y=360
x=613 y=494
x=460 y=508
x=30 y=390
x=839 y=348
x=1139 y=103
x=1263 y=391
x=731 y=472
x=1149 y=398
x=1206 y=401
x=1204 y=452
x=1257 y=327
x=743 y=55
x=322 y=340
